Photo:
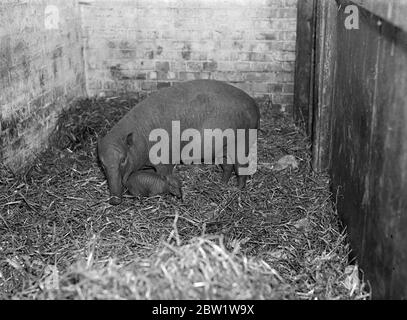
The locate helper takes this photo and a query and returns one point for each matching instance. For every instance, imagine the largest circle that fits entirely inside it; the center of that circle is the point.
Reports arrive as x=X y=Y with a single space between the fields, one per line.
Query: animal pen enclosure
x=70 y=70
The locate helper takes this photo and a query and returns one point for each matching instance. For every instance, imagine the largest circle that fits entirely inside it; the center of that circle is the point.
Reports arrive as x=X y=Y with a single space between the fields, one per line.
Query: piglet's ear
x=129 y=139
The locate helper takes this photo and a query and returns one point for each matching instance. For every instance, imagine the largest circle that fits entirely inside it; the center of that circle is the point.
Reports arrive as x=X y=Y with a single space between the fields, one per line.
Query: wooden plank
x=393 y=11
x=325 y=77
x=369 y=148
x=385 y=199
x=303 y=84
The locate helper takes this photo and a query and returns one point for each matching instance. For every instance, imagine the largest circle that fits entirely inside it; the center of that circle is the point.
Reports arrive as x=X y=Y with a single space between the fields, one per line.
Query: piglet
x=148 y=184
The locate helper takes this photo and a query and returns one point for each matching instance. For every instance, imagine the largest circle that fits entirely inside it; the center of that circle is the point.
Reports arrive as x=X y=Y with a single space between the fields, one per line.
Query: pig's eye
x=123 y=161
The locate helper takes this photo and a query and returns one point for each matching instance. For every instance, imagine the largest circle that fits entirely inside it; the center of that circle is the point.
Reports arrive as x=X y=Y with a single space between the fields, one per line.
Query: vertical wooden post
x=324 y=84
x=304 y=65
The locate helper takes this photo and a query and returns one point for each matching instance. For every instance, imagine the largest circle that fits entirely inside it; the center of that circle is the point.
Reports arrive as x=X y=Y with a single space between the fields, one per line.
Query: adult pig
x=197 y=104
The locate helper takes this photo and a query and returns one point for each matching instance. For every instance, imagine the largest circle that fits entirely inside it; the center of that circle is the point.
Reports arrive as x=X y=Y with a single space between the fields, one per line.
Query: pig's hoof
x=115 y=200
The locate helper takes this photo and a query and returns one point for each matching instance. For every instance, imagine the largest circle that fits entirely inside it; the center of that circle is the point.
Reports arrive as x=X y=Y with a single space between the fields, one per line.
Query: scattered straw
x=277 y=239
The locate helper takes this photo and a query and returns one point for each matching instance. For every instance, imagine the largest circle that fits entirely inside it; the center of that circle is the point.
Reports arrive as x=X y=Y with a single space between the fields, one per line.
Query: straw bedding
x=278 y=239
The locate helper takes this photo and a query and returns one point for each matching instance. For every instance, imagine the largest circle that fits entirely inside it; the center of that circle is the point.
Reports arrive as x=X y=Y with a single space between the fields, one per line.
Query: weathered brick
x=141 y=76
x=289 y=46
x=152 y=75
x=269 y=35
x=267 y=67
x=228 y=76
x=178 y=65
x=149 y=85
x=41 y=72
x=230 y=40
x=237 y=35
x=242 y=66
x=162 y=75
x=185 y=76
x=163 y=85
x=200 y=56
x=127 y=86
x=286 y=13
x=290 y=3
x=288 y=88
x=288 y=66
x=260 y=76
x=284 y=56
x=260 y=87
x=283 y=77
x=263 y=24
x=288 y=35
x=140 y=65
x=194 y=66
x=275 y=87
x=256 y=56
x=162 y=66
x=210 y=66
x=204 y=75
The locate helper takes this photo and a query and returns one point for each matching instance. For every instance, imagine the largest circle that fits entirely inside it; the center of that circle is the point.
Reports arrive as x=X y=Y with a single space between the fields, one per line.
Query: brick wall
x=41 y=71
x=130 y=46
x=148 y=44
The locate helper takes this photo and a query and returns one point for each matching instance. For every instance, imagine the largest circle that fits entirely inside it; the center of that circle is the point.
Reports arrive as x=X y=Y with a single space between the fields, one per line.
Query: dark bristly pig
x=197 y=104
x=149 y=184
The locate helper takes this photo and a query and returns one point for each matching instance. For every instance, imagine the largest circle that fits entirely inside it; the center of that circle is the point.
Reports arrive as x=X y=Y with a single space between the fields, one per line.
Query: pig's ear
x=129 y=139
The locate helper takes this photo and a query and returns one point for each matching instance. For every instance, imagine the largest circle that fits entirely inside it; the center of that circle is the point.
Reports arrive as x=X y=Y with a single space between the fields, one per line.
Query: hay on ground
x=277 y=239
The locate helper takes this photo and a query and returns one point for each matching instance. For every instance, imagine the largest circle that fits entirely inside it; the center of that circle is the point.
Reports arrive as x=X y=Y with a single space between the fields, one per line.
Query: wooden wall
x=360 y=135
x=304 y=60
